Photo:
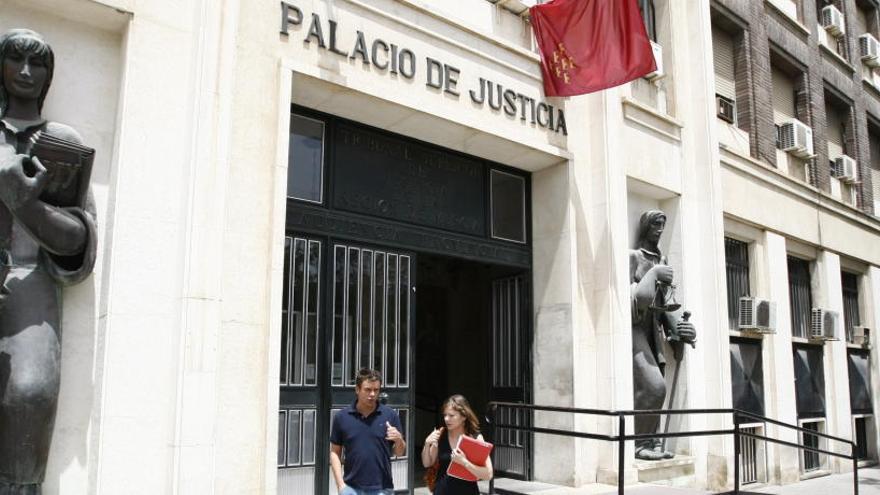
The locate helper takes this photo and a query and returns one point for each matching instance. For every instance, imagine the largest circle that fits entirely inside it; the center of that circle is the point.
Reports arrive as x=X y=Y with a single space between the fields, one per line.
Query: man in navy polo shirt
x=368 y=431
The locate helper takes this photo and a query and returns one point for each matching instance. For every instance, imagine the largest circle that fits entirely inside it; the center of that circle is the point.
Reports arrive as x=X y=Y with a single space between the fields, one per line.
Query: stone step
x=678 y=471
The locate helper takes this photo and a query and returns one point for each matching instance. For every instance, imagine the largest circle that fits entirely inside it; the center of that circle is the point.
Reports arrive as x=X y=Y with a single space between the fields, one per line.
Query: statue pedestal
x=678 y=471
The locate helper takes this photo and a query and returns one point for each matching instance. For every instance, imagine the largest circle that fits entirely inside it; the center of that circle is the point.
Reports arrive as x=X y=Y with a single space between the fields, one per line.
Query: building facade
x=288 y=191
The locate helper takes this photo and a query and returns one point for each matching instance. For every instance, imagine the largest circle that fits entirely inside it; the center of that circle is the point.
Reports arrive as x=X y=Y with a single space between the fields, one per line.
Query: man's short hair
x=367 y=375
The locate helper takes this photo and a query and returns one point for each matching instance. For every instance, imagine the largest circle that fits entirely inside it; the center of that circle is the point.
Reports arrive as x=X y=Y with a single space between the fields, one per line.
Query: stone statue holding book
x=47 y=241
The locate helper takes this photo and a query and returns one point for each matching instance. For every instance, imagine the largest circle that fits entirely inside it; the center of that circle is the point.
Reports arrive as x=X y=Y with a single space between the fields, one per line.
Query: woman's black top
x=450 y=485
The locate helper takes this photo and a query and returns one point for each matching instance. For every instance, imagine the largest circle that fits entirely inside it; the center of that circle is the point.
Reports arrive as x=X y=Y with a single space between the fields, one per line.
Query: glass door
x=301 y=333
x=372 y=300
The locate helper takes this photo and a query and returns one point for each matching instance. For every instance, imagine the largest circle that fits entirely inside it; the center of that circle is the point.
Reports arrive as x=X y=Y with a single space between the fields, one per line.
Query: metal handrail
x=622 y=437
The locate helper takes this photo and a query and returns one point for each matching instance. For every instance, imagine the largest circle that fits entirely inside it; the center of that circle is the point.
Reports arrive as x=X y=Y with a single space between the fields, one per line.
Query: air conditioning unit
x=824 y=324
x=869 y=49
x=862 y=336
x=658 y=58
x=832 y=21
x=725 y=108
x=796 y=138
x=847 y=168
x=757 y=315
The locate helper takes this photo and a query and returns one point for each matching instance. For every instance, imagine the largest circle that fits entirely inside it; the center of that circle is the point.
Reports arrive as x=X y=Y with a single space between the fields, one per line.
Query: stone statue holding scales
x=43 y=246
x=656 y=318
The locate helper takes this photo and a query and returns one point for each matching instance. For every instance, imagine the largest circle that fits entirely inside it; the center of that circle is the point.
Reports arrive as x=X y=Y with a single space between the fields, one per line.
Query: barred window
x=736 y=255
x=851 y=318
x=800 y=296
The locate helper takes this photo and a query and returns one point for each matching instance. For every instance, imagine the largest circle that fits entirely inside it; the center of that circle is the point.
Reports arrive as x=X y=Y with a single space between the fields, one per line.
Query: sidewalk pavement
x=836 y=484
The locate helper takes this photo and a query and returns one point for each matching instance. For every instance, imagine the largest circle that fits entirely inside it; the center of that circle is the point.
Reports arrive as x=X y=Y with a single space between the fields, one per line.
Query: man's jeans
x=353 y=491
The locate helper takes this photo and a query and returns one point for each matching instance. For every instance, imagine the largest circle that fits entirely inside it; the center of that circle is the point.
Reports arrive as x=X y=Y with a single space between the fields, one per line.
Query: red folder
x=476 y=451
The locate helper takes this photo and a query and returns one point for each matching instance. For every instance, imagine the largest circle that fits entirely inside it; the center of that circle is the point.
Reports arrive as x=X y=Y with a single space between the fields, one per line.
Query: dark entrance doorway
x=408 y=258
x=471 y=339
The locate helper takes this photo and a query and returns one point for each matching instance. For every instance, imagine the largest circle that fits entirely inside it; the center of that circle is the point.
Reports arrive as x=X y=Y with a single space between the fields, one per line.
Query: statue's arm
x=642 y=291
x=22 y=180
x=57 y=230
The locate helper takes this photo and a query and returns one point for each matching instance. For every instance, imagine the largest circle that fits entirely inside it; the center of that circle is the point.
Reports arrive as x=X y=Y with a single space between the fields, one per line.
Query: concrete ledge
x=667 y=472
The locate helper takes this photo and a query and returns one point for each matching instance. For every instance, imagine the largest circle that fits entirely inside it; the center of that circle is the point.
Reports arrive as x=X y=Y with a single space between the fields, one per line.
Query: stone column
x=779 y=390
x=602 y=289
x=838 y=416
x=705 y=377
x=554 y=331
x=871 y=311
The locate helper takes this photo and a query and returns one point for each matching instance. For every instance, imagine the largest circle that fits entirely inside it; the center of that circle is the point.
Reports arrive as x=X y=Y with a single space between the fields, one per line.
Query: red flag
x=588 y=45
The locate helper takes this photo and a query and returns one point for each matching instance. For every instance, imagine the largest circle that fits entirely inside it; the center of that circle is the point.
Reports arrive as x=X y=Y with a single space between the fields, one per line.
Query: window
x=649 y=16
x=809 y=383
x=753 y=459
x=305 y=159
x=812 y=461
x=859 y=367
x=747 y=376
x=863 y=426
x=833 y=37
x=508 y=206
x=809 y=380
x=800 y=296
x=860 y=399
x=299 y=310
x=736 y=256
x=851 y=318
x=874 y=145
x=784 y=97
x=864 y=22
x=835 y=131
x=725 y=74
x=838 y=132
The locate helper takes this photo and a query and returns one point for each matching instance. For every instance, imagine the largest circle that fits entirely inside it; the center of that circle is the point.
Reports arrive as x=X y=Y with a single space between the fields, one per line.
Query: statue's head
x=16 y=47
x=651 y=225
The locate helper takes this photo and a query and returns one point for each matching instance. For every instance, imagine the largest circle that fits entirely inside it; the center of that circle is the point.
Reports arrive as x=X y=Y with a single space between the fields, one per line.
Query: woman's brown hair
x=460 y=404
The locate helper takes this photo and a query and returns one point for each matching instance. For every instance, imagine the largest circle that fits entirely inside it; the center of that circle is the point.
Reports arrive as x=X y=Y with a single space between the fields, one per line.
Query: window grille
x=299 y=312
x=753 y=452
x=736 y=255
x=800 y=296
x=296 y=437
x=861 y=436
x=371 y=315
x=812 y=461
x=850 y=288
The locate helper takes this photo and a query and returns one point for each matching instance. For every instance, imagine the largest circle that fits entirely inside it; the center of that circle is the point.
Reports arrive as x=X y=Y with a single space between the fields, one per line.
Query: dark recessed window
x=747 y=377
x=736 y=257
x=508 y=206
x=800 y=296
x=305 y=159
x=851 y=313
x=809 y=381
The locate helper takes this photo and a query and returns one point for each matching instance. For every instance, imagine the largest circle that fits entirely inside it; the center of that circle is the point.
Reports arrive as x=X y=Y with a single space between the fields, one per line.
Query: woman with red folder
x=438 y=452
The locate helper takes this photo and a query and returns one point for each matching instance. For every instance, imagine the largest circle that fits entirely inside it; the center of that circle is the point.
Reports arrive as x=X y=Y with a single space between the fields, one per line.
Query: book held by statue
x=476 y=451
x=69 y=166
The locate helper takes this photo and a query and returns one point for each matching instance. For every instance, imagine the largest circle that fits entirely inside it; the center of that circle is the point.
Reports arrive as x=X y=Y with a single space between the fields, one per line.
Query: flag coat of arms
x=590 y=45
